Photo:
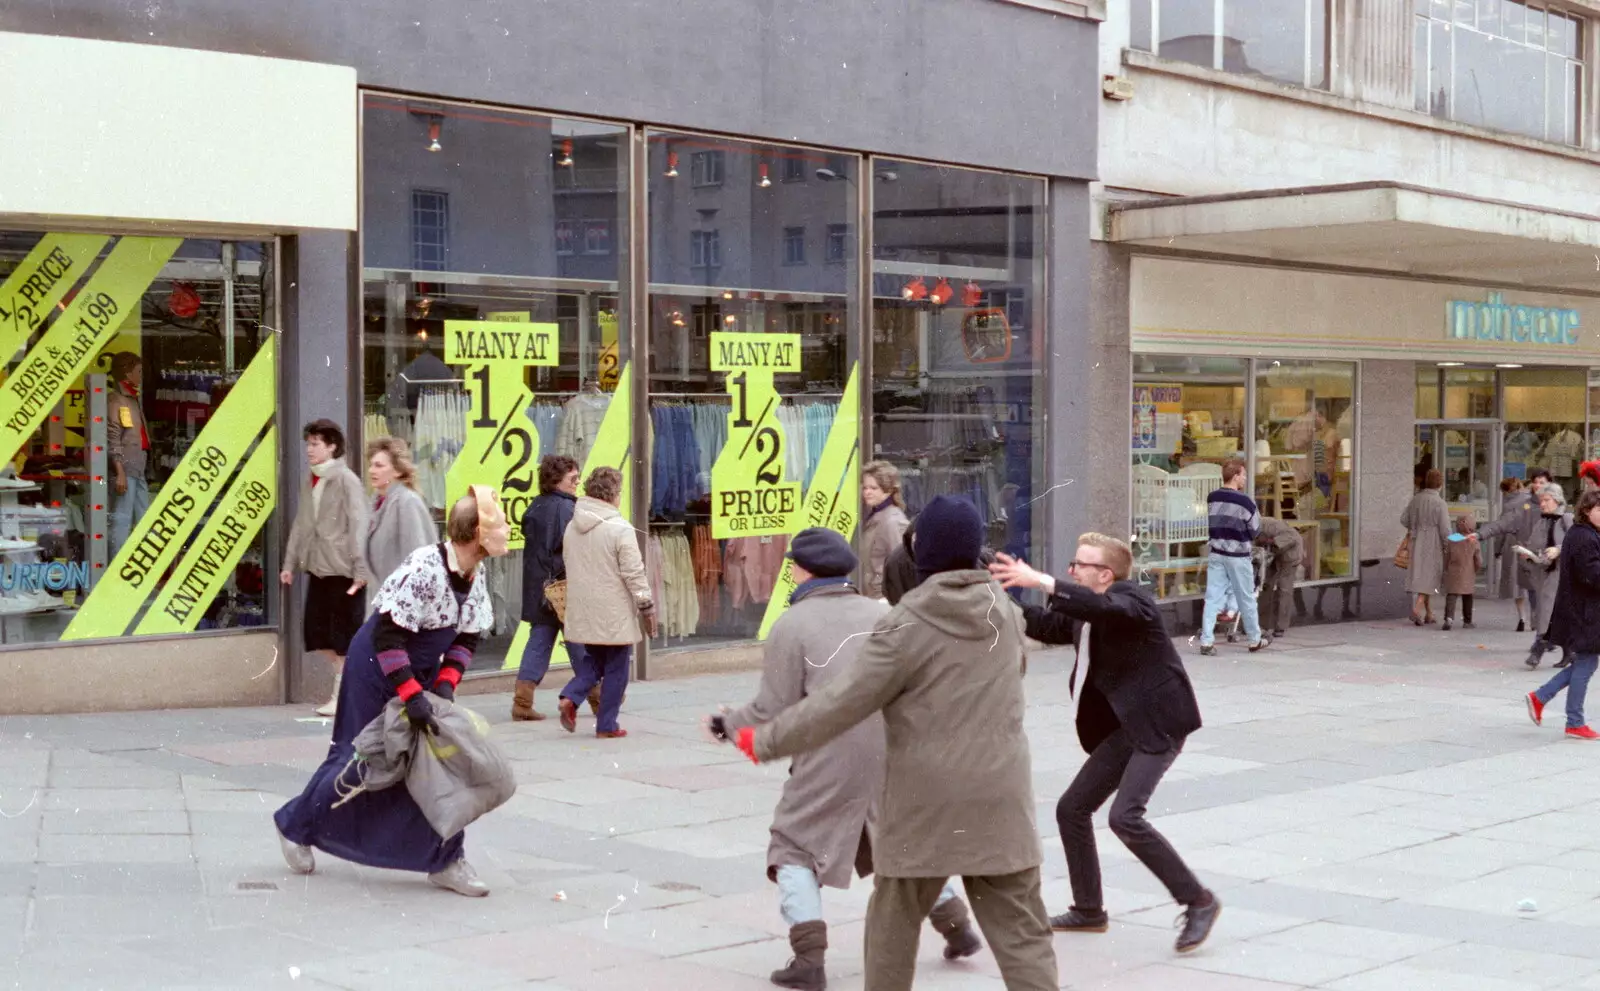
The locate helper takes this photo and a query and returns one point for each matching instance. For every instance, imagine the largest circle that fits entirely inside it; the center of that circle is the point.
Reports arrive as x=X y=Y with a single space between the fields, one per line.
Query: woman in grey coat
x=1427 y=520
x=399 y=522
x=1540 y=563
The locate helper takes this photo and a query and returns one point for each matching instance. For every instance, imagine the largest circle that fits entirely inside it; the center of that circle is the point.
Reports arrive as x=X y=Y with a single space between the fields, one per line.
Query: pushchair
x=1230 y=616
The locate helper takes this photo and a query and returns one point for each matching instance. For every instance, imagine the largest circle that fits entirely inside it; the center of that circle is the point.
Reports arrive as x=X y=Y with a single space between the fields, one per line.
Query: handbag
x=555 y=593
x=1402 y=554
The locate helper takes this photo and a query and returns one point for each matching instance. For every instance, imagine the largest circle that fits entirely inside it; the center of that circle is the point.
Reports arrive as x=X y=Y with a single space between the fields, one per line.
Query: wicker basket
x=555 y=593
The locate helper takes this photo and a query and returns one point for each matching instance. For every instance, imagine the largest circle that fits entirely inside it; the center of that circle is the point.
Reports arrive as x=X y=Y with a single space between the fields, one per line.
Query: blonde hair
x=888 y=478
x=399 y=457
x=1118 y=555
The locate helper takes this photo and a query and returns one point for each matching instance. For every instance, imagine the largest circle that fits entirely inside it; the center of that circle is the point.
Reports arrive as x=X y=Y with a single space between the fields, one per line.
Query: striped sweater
x=1234 y=522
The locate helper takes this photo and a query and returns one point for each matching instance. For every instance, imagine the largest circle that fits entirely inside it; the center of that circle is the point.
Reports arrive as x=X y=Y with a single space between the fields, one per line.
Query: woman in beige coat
x=607 y=596
x=883 y=523
x=1427 y=520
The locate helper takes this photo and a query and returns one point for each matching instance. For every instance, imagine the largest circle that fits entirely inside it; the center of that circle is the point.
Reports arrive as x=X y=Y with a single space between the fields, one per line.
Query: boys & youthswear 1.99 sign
x=749 y=496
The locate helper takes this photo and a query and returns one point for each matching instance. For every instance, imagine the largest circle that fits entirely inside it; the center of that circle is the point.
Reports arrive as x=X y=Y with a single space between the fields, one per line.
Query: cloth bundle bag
x=1402 y=554
x=454 y=776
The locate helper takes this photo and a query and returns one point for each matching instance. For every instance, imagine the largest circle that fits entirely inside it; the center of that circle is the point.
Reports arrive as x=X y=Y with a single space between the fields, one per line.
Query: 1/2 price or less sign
x=748 y=494
x=500 y=448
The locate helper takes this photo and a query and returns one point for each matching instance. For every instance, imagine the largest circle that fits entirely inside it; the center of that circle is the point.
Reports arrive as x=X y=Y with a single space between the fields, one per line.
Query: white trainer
x=460 y=878
x=299 y=858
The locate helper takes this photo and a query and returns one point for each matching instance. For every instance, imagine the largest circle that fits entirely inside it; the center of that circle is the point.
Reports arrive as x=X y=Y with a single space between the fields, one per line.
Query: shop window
x=747 y=380
x=956 y=392
x=1470 y=394
x=1594 y=414
x=794 y=168
x=838 y=243
x=138 y=497
x=1428 y=394
x=430 y=230
x=1501 y=64
x=705 y=249
x=1284 y=40
x=1546 y=414
x=794 y=245
x=706 y=168
x=554 y=284
x=1188 y=420
x=1305 y=457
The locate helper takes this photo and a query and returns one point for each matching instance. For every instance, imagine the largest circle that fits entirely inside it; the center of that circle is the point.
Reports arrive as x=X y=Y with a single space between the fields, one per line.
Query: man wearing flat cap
x=944 y=668
x=820 y=827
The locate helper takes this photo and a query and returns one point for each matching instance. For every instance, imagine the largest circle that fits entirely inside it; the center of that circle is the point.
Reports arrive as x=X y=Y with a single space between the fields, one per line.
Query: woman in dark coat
x=416 y=645
x=543 y=528
x=1575 y=619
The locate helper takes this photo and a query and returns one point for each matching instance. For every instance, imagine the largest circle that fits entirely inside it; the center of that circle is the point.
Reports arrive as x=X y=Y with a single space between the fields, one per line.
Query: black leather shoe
x=1076 y=921
x=1197 y=923
x=961 y=943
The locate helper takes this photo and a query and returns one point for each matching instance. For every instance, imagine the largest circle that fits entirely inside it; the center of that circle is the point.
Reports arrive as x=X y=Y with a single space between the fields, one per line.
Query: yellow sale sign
x=749 y=496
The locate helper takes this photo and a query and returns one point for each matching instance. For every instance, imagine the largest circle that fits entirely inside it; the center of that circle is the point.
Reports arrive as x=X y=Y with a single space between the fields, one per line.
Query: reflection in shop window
x=537 y=243
x=1503 y=65
x=705 y=249
x=706 y=168
x=1305 y=457
x=1188 y=421
x=838 y=243
x=1285 y=40
x=1545 y=419
x=430 y=230
x=794 y=245
x=794 y=168
x=139 y=499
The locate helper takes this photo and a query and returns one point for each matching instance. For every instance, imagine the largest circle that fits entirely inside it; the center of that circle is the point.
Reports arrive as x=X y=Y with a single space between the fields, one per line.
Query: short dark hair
x=124 y=362
x=553 y=470
x=1538 y=473
x=462 y=524
x=1510 y=484
x=604 y=484
x=1586 y=503
x=328 y=431
x=1231 y=470
x=1434 y=479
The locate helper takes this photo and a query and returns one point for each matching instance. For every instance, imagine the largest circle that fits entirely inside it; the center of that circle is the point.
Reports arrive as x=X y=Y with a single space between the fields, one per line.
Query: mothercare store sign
x=1183 y=307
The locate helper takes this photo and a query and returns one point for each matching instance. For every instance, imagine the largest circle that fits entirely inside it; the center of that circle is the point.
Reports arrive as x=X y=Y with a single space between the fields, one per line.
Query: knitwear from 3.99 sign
x=1234 y=522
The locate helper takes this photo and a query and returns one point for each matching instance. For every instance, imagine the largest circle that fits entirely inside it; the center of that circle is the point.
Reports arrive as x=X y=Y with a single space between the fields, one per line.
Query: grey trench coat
x=945 y=668
x=1427 y=519
x=1535 y=575
x=832 y=792
x=1518 y=513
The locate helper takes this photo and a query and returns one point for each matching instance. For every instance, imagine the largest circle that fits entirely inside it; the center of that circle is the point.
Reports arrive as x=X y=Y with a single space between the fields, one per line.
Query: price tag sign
x=503 y=339
x=749 y=496
x=610 y=355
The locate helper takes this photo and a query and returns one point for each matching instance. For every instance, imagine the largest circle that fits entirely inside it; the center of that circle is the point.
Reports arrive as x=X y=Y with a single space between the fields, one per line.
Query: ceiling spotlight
x=1508 y=364
x=730 y=319
x=672 y=165
x=914 y=290
x=766 y=180
x=941 y=293
x=566 y=154
x=1449 y=364
x=727 y=294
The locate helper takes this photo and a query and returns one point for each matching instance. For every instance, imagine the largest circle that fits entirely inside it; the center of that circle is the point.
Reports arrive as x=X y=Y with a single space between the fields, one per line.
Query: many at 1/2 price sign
x=748 y=494
x=500 y=448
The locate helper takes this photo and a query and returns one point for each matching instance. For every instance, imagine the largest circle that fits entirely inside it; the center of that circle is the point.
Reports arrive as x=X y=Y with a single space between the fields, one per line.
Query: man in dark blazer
x=1135 y=709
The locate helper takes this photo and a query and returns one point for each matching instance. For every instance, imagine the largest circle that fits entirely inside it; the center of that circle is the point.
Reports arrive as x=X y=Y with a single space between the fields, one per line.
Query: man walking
x=1285 y=550
x=945 y=669
x=1135 y=709
x=820 y=828
x=1234 y=525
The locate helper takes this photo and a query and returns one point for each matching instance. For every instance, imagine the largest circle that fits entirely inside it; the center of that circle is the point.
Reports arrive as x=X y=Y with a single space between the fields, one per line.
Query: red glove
x=746 y=742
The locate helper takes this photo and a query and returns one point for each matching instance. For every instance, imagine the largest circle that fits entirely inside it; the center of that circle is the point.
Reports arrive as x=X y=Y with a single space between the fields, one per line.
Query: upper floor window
x=1501 y=64
x=706 y=167
x=430 y=230
x=1286 y=40
x=794 y=245
x=705 y=248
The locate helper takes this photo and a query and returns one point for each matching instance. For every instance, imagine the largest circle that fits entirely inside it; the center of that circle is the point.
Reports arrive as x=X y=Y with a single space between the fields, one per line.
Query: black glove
x=719 y=728
x=420 y=711
x=445 y=689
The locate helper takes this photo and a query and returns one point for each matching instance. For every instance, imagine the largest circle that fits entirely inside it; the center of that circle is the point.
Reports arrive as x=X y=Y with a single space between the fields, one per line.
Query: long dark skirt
x=376 y=828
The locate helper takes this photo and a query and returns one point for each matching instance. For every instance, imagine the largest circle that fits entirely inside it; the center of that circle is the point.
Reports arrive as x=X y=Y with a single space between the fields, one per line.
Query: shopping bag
x=1402 y=554
x=555 y=593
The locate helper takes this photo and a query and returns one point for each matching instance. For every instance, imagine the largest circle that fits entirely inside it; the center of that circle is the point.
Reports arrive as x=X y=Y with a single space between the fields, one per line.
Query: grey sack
x=454 y=776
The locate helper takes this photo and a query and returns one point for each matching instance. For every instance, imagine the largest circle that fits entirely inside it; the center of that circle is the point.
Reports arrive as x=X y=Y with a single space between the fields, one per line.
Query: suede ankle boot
x=522 y=709
x=951 y=920
x=809 y=940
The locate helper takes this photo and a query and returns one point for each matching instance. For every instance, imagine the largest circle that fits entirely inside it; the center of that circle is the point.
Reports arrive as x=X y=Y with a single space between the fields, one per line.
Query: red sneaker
x=1535 y=709
x=569 y=715
x=615 y=734
x=1582 y=733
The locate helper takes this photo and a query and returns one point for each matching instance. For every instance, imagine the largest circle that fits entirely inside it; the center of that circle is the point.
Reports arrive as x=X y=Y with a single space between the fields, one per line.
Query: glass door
x=1467 y=454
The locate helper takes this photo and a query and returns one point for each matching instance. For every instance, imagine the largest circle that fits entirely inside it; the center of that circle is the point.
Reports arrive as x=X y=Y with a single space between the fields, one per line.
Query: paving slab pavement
x=1368 y=799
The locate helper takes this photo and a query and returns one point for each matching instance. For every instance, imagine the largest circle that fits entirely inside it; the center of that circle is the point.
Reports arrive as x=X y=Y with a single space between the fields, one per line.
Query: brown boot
x=950 y=920
x=594 y=700
x=809 y=940
x=522 y=709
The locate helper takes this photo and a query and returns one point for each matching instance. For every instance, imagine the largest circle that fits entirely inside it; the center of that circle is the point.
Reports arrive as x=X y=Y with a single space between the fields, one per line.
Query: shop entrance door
x=1467 y=453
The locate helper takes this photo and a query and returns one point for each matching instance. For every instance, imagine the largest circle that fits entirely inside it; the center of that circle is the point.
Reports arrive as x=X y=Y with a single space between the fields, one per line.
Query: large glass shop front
x=497 y=330
x=1294 y=425
x=139 y=482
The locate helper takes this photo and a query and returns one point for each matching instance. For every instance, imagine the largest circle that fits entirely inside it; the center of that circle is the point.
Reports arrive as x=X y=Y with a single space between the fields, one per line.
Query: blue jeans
x=1222 y=574
x=1575 y=679
x=536 y=653
x=126 y=510
x=606 y=663
x=800 y=895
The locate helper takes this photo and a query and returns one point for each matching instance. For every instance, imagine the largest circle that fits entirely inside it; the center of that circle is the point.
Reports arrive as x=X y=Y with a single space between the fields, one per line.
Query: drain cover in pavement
x=256 y=886
x=676 y=886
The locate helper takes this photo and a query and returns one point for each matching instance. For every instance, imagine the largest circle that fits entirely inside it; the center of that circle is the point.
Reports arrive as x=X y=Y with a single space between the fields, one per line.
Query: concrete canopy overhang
x=1379 y=227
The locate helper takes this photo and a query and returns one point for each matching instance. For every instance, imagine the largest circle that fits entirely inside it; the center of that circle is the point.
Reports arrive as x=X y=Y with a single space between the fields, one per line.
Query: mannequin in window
x=128 y=447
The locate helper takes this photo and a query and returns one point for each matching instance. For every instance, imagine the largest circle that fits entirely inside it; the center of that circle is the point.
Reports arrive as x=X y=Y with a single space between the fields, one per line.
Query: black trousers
x=1450 y=607
x=1115 y=766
